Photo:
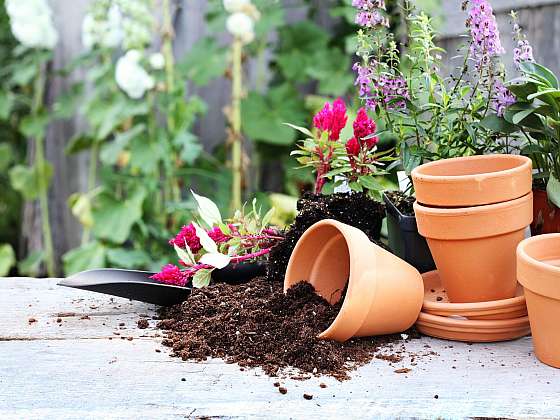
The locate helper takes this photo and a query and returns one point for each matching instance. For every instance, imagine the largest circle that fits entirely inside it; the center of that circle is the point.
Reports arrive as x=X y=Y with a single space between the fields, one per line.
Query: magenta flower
x=217 y=235
x=484 y=33
x=353 y=147
x=363 y=127
x=363 y=78
x=369 y=15
x=187 y=235
x=331 y=120
x=171 y=274
x=502 y=98
x=523 y=52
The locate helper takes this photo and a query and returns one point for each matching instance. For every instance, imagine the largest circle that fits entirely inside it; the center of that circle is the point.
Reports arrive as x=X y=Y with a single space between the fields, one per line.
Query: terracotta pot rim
x=473 y=222
x=475 y=324
x=471 y=308
x=524 y=164
x=532 y=261
x=466 y=211
x=476 y=337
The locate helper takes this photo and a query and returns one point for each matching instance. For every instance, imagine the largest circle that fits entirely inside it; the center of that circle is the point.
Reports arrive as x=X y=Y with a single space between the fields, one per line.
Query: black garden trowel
x=137 y=285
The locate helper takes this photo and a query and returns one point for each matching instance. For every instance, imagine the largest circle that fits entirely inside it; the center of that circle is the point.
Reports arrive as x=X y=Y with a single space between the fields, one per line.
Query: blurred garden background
x=111 y=111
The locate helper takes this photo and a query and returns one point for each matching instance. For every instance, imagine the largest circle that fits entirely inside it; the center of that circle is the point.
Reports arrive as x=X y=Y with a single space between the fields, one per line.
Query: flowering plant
x=354 y=161
x=434 y=116
x=211 y=243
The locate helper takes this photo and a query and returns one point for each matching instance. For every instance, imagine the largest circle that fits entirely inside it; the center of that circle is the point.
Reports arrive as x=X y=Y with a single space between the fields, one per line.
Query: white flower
x=106 y=33
x=233 y=6
x=241 y=26
x=31 y=23
x=131 y=76
x=157 y=61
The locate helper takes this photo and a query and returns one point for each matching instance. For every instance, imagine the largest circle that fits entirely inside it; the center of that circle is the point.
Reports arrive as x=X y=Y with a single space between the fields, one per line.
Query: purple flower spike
x=484 y=33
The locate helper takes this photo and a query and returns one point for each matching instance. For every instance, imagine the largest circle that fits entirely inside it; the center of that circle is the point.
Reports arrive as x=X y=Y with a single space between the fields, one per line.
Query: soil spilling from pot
x=404 y=203
x=355 y=209
x=257 y=325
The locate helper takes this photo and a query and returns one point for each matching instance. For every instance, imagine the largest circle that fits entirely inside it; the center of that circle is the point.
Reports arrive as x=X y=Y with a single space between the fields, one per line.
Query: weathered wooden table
x=82 y=356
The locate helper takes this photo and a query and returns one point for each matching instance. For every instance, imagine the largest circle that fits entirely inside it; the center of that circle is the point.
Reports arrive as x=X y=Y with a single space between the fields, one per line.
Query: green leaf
x=410 y=159
x=111 y=150
x=6 y=104
x=78 y=143
x=34 y=125
x=553 y=190
x=128 y=258
x=145 y=155
x=215 y=259
x=205 y=61
x=113 y=218
x=207 y=210
x=31 y=264
x=202 y=278
x=191 y=148
x=6 y=156
x=80 y=206
x=263 y=116
x=25 y=179
x=541 y=72
x=522 y=90
x=184 y=255
x=206 y=241
x=520 y=116
x=86 y=257
x=300 y=129
x=67 y=103
x=7 y=259
x=497 y=124
x=370 y=183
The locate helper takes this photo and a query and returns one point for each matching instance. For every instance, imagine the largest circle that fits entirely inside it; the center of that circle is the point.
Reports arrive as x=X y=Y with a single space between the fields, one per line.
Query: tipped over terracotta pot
x=474 y=247
x=384 y=293
x=538 y=270
x=472 y=180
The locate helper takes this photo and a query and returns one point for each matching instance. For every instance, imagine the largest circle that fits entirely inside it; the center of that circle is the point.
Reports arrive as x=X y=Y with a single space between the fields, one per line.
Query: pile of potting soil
x=256 y=325
x=404 y=203
x=356 y=209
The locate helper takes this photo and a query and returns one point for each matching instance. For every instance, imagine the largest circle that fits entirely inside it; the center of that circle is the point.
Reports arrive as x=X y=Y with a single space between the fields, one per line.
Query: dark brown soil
x=404 y=203
x=256 y=325
x=143 y=323
x=355 y=209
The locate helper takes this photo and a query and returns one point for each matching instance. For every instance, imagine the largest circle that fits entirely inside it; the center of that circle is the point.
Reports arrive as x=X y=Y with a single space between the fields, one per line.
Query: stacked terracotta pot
x=474 y=211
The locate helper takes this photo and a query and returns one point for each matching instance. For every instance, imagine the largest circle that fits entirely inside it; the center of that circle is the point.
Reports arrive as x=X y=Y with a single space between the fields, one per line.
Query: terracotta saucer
x=436 y=302
x=460 y=329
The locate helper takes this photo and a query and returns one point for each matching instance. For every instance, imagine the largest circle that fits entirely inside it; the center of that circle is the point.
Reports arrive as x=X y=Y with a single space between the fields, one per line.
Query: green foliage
x=537 y=114
x=7 y=259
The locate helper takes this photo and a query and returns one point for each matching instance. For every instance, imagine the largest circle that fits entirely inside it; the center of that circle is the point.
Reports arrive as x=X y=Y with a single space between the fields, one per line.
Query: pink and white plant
x=211 y=243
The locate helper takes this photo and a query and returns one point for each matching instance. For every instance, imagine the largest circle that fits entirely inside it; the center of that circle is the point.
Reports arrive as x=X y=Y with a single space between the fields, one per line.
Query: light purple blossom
x=484 y=33
x=363 y=78
x=368 y=4
x=394 y=91
x=502 y=98
x=523 y=52
x=371 y=19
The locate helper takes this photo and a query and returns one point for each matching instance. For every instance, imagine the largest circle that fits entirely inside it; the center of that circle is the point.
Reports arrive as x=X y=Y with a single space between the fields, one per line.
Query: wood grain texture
x=81 y=369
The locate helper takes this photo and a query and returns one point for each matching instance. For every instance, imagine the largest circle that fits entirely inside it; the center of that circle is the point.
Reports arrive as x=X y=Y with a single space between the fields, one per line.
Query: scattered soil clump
x=256 y=325
x=404 y=203
x=355 y=209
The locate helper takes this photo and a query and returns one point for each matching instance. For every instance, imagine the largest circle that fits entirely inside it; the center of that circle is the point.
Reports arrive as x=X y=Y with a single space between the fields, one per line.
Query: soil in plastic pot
x=354 y=209
x=404 y=203
x=257 y=325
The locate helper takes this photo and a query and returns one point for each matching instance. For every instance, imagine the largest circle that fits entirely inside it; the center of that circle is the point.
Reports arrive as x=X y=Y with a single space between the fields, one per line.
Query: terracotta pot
x=384 y=293
x=472 y=180
x=546 y=216
x=474 y=247
x=436 y=302
x=472 y=331
x=538 y=270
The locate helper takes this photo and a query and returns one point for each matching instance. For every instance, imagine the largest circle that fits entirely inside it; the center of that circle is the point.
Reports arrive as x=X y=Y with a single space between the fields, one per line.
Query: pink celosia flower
x=353 y=147
x=363 y=127
x=187 y=235
x=331 y=120
x=170 y=274
x=217 y=235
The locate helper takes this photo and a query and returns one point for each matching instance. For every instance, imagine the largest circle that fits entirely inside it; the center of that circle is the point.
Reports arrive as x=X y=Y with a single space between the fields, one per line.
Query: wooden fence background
x=540 y=18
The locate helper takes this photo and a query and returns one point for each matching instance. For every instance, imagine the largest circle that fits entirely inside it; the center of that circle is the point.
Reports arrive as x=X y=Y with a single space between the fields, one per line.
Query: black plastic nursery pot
x=405 y=241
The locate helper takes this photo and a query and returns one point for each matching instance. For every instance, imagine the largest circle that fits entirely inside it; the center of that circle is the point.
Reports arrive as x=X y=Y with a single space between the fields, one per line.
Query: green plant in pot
x=537 y=114
x=433 y=115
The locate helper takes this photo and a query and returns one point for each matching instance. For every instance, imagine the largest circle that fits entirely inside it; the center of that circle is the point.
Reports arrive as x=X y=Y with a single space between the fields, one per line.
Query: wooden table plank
x=76 y=371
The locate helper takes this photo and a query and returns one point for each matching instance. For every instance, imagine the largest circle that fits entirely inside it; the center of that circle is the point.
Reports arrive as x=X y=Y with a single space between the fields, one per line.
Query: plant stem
x=41 y=165
x=167 y=51
x=236 y=151
x=91 y=181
